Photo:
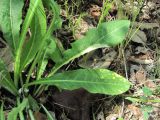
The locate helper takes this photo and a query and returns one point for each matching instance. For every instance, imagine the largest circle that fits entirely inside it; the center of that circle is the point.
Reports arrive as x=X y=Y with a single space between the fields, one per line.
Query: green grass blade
x=32 y=8
x=5 y=79
x=15 y=111
x=33 y=103
x=48 y=114
x=10 y=21
x=31 y=115
x=21 y=115
x=42 y=65
x=105 y=35
x=2 y=112
x=94 y=80
x=56 y=21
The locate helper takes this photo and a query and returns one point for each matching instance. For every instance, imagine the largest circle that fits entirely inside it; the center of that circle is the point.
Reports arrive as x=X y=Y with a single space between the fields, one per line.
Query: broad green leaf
x=5 y=79
x=105 y=35
x=38 y=29
x=10 y=21
x=2 y=113
x=94 y=80
x=15 y=111
x=30 y=13
x=53 y=52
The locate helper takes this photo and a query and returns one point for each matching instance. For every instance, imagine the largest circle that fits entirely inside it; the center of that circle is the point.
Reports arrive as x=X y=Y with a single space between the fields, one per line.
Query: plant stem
x=20 y=113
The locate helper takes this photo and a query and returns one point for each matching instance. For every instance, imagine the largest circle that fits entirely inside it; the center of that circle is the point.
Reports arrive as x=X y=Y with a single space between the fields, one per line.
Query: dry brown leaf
x=140 y=76
x=150 y=84
x=142 y=59
x=39 y=116
x=135 y=110
x=139 y=36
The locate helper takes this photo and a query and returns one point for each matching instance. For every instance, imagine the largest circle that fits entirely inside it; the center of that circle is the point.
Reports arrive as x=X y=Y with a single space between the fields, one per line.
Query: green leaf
x=49 y=48
x=41 y=65
x=53 y=52
x=132 y=99
x=10 y=20
x=2 y=113
x=95 y=81
x=14 y=112
x=5 y=79
x=38 y=30
x=147 y=91
x=30 y=13
x=33 y=103
x=56 y=22
x=106 y=35
x=146 y=109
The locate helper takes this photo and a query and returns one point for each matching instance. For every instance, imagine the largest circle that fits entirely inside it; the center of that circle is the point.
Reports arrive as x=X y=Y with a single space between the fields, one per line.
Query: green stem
x=20 y=113
x=33 y=66
x=31 y=115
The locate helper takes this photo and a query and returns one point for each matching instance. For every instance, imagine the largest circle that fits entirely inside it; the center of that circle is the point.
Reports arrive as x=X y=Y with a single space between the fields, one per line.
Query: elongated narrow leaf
x=49 y=116
x=14 y=113
x=5 y=79
x=56 y=22
x=95 y=81
x=38 y=30
x=33 y=103
x=51 y=49
x=27 y=21
x=2 y=112
x=41 y=65
x=106 y=35
x=10 y=20
x=31 y=115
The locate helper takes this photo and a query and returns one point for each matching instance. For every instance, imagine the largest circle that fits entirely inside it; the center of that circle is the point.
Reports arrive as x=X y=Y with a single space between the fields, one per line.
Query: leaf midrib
x=76 y=81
